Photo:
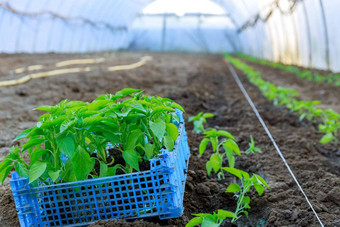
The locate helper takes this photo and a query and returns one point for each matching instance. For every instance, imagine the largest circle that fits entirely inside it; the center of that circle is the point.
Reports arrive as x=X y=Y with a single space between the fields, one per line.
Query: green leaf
x=13 y=153
x=202 y=215
x=244 y=174
x=214 y=143
x=209 y=222
x=68 y=175
x=131 y=158
x=259 y=188
x=327 y=138
x=21 y=168
x=162 y=109
x=225 y=134
x=92 y=121
x=203 y=145
x=111 y=171
x=126 y=91
x=67 y=124
x=192 y=118
x=103 y=169
x=98 y=104
x=198 y=126
x=54 y=175
x=246 y=201
x=36 y=154
x=233 y=188
x=216 y=162
x=36 y=170
x=46 y=108
x=233 y=171
x=82 y=163
x=158 y=128
x=149 y=150
x=233 y=146
x=32 y=142
x=23 y=134
x=177 y=106
x=112 y=138
x=172 y=130
x=195 y=221
x=261 y=180
x=209 y=167
x=169 y=143
x=223 y=214
x=4 y=164
x=133 y=138
x=4 y=173
x=231 y=159
x=228 y=147
x=66 y=145
x=208 y=115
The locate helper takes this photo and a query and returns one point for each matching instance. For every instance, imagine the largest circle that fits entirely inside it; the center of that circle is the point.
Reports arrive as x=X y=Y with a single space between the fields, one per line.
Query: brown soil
x=199 y=83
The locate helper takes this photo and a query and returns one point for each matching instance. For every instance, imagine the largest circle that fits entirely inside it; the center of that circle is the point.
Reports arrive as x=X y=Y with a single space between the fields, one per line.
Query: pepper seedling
x=199 y=120
x=252 y=148
x=240 y=190
x=71 y=138
x=229 y=145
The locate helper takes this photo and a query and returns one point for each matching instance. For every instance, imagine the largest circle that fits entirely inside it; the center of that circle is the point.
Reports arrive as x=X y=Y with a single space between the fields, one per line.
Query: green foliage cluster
x=223 y=140
x=199 y=120
x=305 y=74
x=330 y=120
x=229 y=146
x=72 y=136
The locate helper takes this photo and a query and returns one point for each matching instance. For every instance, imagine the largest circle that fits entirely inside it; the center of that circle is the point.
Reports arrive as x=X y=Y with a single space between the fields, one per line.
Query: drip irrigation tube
x=240 y=85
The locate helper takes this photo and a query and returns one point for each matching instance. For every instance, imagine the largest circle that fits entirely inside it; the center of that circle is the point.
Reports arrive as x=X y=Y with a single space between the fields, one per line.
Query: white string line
x=239 y=83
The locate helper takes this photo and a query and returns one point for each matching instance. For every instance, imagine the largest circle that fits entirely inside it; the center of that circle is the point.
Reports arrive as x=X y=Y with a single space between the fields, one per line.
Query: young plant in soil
x=252 y=148
x=69 y=142
x=330 y=121
x=243 y=200
x=199 y=120
x=228 y=144
x=246 y=182
x=305 y=73
x=240 y=190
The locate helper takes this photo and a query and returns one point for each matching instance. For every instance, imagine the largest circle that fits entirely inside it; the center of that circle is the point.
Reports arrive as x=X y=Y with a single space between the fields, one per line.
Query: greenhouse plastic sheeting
x=66 y=26
x=278 y=30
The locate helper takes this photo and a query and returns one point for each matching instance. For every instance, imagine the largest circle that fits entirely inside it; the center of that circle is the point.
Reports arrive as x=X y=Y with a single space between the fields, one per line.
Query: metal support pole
x=328 y=62
x=308 y=34
x=164 y=32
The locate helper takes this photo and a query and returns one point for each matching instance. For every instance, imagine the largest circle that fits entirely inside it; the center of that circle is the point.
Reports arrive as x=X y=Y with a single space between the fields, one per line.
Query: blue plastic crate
x=157 y=192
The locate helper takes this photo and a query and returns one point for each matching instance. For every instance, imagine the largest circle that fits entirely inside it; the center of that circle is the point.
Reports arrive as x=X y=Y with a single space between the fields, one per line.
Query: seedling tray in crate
x=156 y=192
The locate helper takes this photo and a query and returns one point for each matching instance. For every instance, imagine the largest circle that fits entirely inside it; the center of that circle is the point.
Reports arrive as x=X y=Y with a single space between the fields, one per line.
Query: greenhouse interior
x=169 y=113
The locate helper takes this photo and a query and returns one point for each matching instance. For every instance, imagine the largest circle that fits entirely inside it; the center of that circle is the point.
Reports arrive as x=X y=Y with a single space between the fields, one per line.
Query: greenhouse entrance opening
x=183 y=25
